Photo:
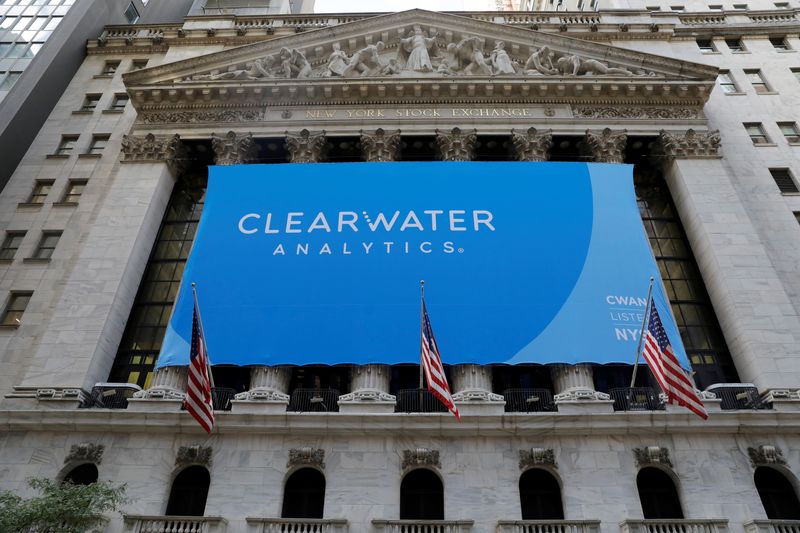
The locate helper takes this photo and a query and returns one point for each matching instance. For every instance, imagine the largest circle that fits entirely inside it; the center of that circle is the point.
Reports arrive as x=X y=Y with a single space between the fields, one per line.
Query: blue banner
x=321 y=264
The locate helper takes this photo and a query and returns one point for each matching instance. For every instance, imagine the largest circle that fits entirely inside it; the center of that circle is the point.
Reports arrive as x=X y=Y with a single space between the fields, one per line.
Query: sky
x=365 y=6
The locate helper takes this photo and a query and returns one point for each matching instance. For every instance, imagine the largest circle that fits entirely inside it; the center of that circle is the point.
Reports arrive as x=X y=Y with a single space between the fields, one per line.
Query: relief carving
x=614 y=112
x=690 y=145
x=380 y=146
x=413 y=51
x=652 y=455
x=456 y=145
x=606 y=146
x=155 y=148
x=420 y=457
x=306 y=147
x=85 y=452
x=306 y=457
x=200 y=116
x=766 y=455
x=193 y=455
x=233 y=148
x=532 y=145
x=537 y=457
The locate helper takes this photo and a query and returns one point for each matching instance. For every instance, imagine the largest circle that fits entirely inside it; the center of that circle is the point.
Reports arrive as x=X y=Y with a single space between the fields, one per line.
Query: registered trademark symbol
x=461 y=250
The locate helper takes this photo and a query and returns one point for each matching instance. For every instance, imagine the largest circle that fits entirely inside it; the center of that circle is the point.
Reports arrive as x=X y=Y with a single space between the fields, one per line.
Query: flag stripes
x=432 y=365
x=198 y=400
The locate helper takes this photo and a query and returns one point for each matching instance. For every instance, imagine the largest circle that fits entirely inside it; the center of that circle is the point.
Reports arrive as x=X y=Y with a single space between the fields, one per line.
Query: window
x=706 y=45
x=119 y=102
x=421 y=496
x=98 y=144
x=716 y=7
x=796 y=72
x=90 y=102
x=85 y=474
x=15 y=308
x=138 y=64
x=756 y=132
x=726 y=82
x=47 y=244
x=779 y=43
x=654 y=8
x=40 y=191
x=9 y=81
x=132 y=14
x=790 y=131
x=782 y=5
x=540 y=496
x=735 y=45
x=757 y=81
x=784 y=180
x=679 y=9
x=304 y=494
x=777 y=494
x=740 y=7
x=11 y=244
x=67 y=144
x=797 y=216
x=189 y=492
x=658 y=494
x=110 y=68
x=74 y=191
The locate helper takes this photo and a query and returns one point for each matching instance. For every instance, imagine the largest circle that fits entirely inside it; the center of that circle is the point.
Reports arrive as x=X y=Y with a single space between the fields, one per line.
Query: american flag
x=432 y=363
x=666 y=369
x=198 y=390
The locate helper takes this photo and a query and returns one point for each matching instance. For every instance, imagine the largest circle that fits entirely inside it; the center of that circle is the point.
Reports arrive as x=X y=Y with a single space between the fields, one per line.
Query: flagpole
x=641 y=332
x=202 y=333
x=421 y=325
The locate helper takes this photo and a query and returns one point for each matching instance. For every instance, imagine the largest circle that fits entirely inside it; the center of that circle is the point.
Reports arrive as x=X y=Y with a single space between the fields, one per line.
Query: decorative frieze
x=306 y=147
x=421 y=457
x=193 y=455
x=532 y=145
x=689 y=145
x=155 y=149
x=457 y=145
x=201 y=116
x=380 y=146
x=233 y=148
x=766 y=455
x=306 y=457
x=606 y=146
x=537 y=457
x=652 y=455
x=636 y=112
x=85 y=452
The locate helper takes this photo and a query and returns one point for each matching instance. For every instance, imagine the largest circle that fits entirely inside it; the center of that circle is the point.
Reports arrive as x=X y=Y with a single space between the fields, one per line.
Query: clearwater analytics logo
x=351 y=232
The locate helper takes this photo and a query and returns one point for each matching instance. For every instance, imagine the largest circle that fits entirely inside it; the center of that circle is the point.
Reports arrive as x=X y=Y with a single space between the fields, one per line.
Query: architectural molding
x=368 y=395
x=689 y=145
x=605 y=146
x=262 y=395
x=233 y=148
x=532 y=145
x=765 y=455
x=85 y=452
x=306 y=147
x=574 y=395
x=652 y=455
x=62 y=393
x=616 y=112
x=477 y=395
x=421 y=457
x=306 y=457
x=456 y=145
x=193 y=455
x=380 y=146
x=537 y=457
x=152 y=148
x=199 y=116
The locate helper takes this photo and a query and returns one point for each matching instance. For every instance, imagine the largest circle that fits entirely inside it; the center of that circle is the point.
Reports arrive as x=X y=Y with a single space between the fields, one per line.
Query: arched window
x=85 y=474
x=304 y=494
x=540 y=496
x=421 y=496
x=658 y=494
x=189 y=492
x=777 y=494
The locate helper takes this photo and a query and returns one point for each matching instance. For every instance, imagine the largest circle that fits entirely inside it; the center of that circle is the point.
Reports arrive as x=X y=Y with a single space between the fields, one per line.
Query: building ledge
x=35 y=260
x=29 y=205
x=65 y=204
x=113 y=111
x=90 y=156
x=83 y=112
x=57 y=156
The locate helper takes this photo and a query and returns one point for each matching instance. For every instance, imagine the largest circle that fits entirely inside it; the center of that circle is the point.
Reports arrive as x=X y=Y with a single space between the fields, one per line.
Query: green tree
x=59 y=507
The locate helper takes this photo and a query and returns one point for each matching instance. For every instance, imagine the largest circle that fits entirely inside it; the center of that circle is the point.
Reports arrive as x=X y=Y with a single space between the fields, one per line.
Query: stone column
x=606 y=146
x=532 y=145
x=233 y=148
x=306 y=147
x=370 y=390
x=456 y=145
x=472 y=390
x=380 y=146
x=744 y=286
x=268 y=392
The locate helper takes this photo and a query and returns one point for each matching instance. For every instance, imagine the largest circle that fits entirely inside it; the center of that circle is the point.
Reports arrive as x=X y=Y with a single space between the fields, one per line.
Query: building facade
x=100 y=215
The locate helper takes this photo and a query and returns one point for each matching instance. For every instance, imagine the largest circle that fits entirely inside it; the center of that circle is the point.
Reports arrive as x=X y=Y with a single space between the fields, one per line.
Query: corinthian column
x=380 y=146
x=606 y=146
x=532 y=145
x=306 y=147
x=234 y=149
x=456 y=145
x=370 y=390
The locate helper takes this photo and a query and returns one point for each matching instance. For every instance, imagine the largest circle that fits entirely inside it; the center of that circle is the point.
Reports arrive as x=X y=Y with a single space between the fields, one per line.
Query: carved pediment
x=421 y=54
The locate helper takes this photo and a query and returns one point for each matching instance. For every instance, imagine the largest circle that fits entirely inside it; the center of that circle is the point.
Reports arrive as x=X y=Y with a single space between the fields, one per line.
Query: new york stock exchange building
x=497 y=156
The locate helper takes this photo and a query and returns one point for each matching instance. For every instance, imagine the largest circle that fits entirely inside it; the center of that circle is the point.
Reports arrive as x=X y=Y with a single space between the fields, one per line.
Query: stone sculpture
x=294 y=63
x=501 y=62
x=337 y=62
x=574 y=65
x=470 y=51
x=416 y=47
x=541 y=62
x=365 y=62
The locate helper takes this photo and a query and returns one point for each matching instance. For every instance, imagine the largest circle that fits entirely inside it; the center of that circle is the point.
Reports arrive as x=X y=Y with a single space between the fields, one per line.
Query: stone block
x=259 y=407
x=151 y=405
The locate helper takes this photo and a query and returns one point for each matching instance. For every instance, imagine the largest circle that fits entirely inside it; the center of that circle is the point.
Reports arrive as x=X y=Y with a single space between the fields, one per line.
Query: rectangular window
x=74 y=191
x=131 y=14
x=757 y=81
x=654 y=8
x=110 y=68
x=783 y=179
x=706 y=45
x=40 y=191
x=797 y=216
x=99 y=143
x=782 y=5
x=138 y=64
x=715 y=7
x=47 y=244
x=9 y=81
x=679 y=9
x=67 y=144
x=740 y=7
x=726 y=82
x=11 y=244
x=15 y=308
x=756 y=132
x=119 y=102
x=735 y=45
x=90 y=102
x=796 y=72
x=790 y=131
x=779 y=43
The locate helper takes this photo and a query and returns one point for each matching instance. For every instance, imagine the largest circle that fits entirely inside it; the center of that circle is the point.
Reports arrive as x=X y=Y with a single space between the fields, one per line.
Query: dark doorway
x=304 y=494
x=85 y=474
x=777 y=494
x=421 y=496
x=540 y=496
x=189 y=492
x=658 y=494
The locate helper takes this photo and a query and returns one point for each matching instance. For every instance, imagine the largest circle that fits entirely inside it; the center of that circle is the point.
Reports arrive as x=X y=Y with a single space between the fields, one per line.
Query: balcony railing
x=636 y=399
x=418 y=401
x=738 y=396
x=314 y=400
x=772 y=526
x=221 y=398
x=529 y=400
x=423 y=526
x=673 y=526
x=174 y=524
x=548 y=526
x=111 y=395
x=298 y=525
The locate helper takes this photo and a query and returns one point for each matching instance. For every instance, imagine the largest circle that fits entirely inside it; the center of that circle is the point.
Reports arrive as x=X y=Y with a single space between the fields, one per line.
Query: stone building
x=100 y=215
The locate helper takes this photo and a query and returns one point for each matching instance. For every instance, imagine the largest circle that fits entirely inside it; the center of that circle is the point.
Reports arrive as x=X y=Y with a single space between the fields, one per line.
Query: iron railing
x=418 y=401
x=221 y=398
x=111 y=395
x=314 y=401
x=636 y=399
x=529 y=401
x=738 y=396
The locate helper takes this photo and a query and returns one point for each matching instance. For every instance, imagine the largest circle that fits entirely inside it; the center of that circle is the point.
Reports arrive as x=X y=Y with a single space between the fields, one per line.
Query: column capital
x=456 y=145
x=306 y=147
x=532 y=145
x=606 y=146
x=233 y=148
x=688 y=145
x=152 y=148
x=380 y=146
